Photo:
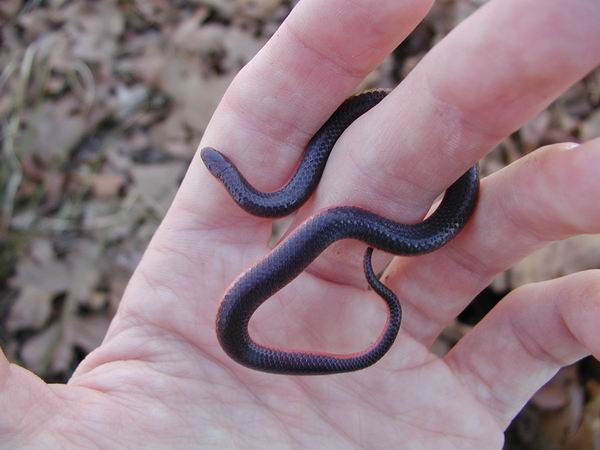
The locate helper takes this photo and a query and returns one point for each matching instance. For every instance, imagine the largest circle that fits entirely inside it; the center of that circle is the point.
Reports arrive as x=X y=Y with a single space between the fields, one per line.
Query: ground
x=102 y=105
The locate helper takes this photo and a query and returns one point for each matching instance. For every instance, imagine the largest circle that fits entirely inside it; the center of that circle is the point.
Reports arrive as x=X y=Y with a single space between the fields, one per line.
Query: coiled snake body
x=311 y=238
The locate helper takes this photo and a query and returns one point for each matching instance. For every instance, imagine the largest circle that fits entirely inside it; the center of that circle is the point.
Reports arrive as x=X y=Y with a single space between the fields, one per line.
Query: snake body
x=310 y=239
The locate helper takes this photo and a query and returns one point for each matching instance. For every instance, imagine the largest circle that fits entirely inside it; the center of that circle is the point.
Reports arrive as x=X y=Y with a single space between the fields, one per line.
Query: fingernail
x=569 y=145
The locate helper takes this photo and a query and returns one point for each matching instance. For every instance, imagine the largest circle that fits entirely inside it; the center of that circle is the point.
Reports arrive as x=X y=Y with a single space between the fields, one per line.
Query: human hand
x=160 y=379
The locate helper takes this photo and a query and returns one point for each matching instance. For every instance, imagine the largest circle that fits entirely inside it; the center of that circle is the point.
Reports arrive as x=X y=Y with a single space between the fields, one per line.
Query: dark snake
x=311 y=238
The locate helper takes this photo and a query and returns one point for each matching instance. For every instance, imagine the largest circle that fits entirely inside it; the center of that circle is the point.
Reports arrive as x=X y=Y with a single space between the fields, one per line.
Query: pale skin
x=160 y=379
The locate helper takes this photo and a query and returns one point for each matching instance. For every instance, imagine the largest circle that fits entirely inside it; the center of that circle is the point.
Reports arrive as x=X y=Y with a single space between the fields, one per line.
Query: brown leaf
x=9 y=8
x=82 y=261
x=38 y=352
x=557 y=393
x=31 y=308
x=128 y=99
x=587 y=436
x=196 y=96
x=223 y=7
x=190 y=33
x=534 y=131
x=53 y=349
x=41 y=276
x=258 y=9
x=155 y=11
x=557 y=259
x=106 y=185
x=558 y=408
x=53 y=182
x=52 y=276
x=240 y=48
x=590 y=128
x=157 y=183
x=41 y=251
x=53 y=129
x=173 y=136
x=55 y=49
x=88 y=332
x=148 y=66
x=94 y=28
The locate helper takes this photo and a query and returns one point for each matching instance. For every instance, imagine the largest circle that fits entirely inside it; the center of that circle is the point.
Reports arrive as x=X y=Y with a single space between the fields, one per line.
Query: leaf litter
x=102 y=105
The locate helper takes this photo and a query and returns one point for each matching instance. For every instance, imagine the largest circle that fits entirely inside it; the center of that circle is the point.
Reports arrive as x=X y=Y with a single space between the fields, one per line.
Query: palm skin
x=160 y=379
x=168 y=385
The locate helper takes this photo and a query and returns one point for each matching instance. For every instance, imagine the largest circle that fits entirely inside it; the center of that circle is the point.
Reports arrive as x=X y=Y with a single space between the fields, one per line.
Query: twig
x=85 y=80
x=16 y=176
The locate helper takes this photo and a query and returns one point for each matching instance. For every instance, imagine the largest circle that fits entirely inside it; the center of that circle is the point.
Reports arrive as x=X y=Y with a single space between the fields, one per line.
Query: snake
x=312 y=237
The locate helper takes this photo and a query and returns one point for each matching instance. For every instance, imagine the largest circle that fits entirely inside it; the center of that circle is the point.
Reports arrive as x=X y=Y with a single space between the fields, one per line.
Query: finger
x=548 y=195
x=526 y=338
x=281 y=98
x=478 y=85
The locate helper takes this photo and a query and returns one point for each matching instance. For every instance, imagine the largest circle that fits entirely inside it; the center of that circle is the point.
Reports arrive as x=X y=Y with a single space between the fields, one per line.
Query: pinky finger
x=527 y=337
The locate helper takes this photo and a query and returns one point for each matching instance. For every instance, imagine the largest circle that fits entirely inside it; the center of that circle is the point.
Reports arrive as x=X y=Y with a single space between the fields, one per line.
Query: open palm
x=160 y=379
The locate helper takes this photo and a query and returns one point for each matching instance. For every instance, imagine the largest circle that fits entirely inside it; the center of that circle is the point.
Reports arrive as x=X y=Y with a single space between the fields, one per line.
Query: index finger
x=279 y=100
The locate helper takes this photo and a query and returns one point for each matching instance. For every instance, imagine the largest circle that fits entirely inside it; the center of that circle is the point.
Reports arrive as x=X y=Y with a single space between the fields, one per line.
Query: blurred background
x=102 y=105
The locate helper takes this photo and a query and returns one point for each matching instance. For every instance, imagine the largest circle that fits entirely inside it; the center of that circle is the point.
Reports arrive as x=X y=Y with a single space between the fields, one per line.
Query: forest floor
x=102 y=105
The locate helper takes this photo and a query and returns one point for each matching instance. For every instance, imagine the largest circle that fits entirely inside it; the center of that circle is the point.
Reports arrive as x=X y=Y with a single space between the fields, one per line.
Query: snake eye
x=214 y=161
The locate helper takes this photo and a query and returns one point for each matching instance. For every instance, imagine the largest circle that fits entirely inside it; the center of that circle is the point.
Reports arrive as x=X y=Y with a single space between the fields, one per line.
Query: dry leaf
x=9 y=8
x=190 y=34
x=148 y=65
x=128 y=99
x=195 y=96
x=41 y=251
x=38 y=351
x=258 y=9
x=82 y=262
x=41 y=137
x=55 y=50
x=558 y=392
x=102 y=213
x=88 y=332
x=557 y=259
x=157 y=183
x=31 y=309
x=590 y=128
x=42 y=276
x=534 y=131
x=106 y=185
x=225 y=8
x=155 y=11
x=174 y=137
x=588 y=435
x=558 y=409
x=53 y=349
x=51 y=276
x=94 y=28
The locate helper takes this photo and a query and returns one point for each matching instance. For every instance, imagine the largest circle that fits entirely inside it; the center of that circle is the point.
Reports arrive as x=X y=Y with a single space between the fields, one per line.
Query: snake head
x=215 y=161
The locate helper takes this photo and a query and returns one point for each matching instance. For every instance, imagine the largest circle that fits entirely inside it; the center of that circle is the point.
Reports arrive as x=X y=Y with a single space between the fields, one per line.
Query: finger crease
x=353 y=73
x=535 y=349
